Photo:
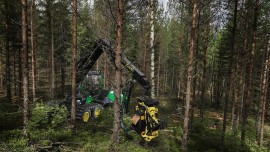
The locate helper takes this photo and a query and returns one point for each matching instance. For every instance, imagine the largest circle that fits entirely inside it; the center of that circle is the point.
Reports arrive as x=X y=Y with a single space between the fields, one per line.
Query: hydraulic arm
x=144 y=121
x=85 y=64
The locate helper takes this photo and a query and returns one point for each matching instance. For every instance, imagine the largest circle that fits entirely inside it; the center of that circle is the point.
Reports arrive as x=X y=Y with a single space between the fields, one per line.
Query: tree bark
x=20 y=73
x=63 y=79
x=118 y=73
x=14 y=72
x=179 y=71
x=203 y=82
x=189 y=78
x=33 y=52
x=74 y=59
x=152 y=39
x=144 y=56
x=264 y=94
x=241 y=86
x=196 y=57
x=247 y=94
x=105 y=84
x=52 y=55
x=7 y=39
x=229 y=79
x=1 y=73
x=158 y=76
x=25 y=70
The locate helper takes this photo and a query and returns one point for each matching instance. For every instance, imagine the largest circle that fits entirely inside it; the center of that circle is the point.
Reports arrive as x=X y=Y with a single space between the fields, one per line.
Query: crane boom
x=85 y=64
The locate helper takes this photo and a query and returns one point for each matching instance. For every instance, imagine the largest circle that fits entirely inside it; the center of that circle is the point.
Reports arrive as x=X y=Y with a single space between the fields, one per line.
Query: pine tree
x=74 y=58
x=25 y=70
x=190 y=67
x=118 y=73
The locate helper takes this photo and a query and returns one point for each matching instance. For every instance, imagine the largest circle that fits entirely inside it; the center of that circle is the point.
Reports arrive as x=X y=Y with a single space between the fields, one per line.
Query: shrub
x=44 y=116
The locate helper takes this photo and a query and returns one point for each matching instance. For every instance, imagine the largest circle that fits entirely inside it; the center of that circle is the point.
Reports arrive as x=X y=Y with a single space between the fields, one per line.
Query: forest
x=135 y=75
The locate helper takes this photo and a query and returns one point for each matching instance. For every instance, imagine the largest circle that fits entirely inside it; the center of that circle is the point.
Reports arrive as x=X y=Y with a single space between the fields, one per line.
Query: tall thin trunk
x=8 y=76
x=158 y=76
x=179 y=73
x=1 y=73
x=203 y=82
x=52 y=78
x=118 y=73
x=172 y=84
x=14 y=72
x=165 y=79
x=196 y=58
x=63 y=79
x=105 y=72
x=33 y=52
x=189 y=77
x=229 y=78
x=20 y=73
x=264 y=94
x=63 y=68
x=25 y=71
x=74 y=59
x=248 y=96
x=259 y=111
x=152 y=39
x=144 y=56
x=240 y=88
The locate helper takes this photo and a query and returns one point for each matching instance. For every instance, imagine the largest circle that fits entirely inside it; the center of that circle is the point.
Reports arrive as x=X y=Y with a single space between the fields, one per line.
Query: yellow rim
x=86 y=116
x=97 y=112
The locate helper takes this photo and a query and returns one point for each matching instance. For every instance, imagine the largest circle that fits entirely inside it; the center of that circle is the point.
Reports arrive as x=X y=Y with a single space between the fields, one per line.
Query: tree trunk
x=241 y=87
x=264 y=94
x=105 y=83
x=158 y=76
x=179 y=72
x=196 y=57
x=20 y=74
x=74 y=59
x=1 y=73
x=63 y=79
x=144 y=56
x=152 y=39
x=14 y=72
x=63 y=64
x=189 y=78
x=203 y=82
x=7 y=37
x=52 y=78
x=229 y=79
x=118 y=74
x=33 y=52
x=25 y=71
x=247 y=94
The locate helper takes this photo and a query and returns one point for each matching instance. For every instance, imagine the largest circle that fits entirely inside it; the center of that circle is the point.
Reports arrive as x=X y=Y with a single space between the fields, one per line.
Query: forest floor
x=96 y=135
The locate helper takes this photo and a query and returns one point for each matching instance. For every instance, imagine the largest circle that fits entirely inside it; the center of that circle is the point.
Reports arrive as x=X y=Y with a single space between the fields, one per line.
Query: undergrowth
x=50 y=131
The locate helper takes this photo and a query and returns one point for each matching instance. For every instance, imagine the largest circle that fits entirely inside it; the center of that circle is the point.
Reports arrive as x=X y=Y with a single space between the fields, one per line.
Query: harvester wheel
x=83 y=113
x=96 y=110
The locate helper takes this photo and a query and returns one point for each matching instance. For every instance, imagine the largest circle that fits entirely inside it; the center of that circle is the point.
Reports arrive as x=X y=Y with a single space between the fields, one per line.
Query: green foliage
x=17 y=143
x=96 y=135
x=13 y=140
x=46 y=117
x=48 y=136
x=11 y=114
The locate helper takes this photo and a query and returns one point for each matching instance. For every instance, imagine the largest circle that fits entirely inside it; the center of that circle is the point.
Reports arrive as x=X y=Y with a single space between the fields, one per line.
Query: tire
x=83 y=112
x=96 y=110
x=88 y=111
